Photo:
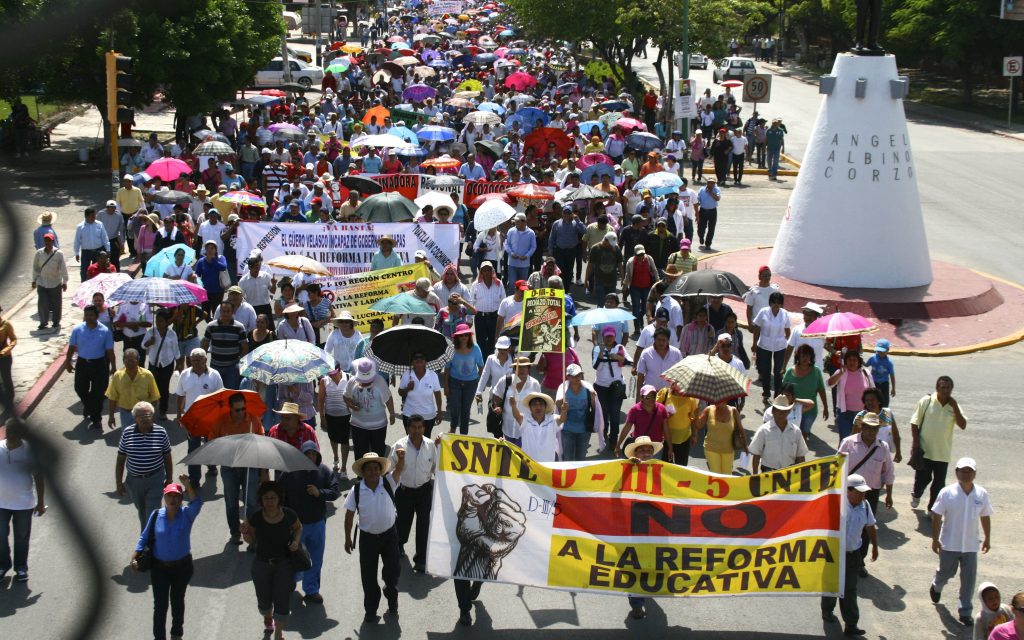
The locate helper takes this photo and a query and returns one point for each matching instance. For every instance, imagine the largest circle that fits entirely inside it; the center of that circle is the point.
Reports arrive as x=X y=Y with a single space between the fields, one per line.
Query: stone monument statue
x=869 y=15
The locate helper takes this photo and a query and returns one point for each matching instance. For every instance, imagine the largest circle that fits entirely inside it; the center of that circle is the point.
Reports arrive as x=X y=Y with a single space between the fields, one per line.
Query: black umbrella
x=293 y=87
x=362 y=184
x=392 y=349
x=707 y=282
x=171 y=197
x=487 y=147
x=250 y=450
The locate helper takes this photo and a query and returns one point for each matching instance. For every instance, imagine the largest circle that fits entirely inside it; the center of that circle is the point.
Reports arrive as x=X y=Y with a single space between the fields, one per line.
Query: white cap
x=504 y=342
x=420 y=254
x=967 y=463
x=111 y=203
x=573 y=370
x=727 y=337
x=857 y=482
x=814 y=307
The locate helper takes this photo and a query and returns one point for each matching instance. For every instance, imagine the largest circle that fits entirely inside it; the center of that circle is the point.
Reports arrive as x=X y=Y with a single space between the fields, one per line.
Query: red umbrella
x=530 y=191
x=272 y=92
x=520 y=81
x=594 y=158
x=212 y=408
x=484 y=197
x=732 y=84
x=539 y=140
x=473 y=49
x=629 y=125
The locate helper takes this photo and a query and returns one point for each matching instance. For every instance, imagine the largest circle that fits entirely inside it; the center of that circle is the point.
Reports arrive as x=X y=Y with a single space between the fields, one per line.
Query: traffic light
x=119 y=87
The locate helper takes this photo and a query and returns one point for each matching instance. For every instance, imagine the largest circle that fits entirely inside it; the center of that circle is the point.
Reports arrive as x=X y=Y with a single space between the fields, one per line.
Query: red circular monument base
x=960 y=311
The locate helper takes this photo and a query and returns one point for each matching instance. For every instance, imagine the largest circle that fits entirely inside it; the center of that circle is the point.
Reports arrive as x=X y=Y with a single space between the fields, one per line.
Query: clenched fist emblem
x=489 y=527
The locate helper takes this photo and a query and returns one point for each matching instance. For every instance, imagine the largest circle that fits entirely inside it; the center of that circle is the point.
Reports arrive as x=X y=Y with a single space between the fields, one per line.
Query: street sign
x=1012 y=66
x=757 y=87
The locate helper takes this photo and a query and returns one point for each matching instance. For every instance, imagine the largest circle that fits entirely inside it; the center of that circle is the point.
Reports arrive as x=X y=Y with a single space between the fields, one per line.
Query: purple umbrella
x=592 y=159
x=418 y=92
x=284 y=126
x=429 y=54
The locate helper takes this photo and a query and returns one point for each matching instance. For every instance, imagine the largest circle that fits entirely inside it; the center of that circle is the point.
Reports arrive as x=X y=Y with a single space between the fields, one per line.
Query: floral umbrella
x=105 y=283
x=287 y=362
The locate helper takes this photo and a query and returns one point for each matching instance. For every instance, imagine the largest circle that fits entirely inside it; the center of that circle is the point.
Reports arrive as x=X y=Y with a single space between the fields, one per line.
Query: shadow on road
x=14 y=596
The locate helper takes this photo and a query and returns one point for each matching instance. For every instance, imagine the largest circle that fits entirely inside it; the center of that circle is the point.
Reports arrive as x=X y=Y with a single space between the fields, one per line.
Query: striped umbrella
x=155 y=291
x=287 y=362
x=105 y=283
x=213 y=148
x=707 y=378
x=244 y=198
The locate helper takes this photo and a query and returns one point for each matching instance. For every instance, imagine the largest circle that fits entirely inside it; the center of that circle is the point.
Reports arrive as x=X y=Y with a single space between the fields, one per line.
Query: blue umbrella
x=643 y=141
x=533 y=113
x=567 y=87
x=485 y=59
x=660 y=183
x=493 y=107
x=439 y=63
x=404 y=133
x=464 y=61
x=614 y=105
x=154 y=291
x=507 y=33
x=141 y=178
x=601 y=315
x=165 y=257
x=434 y=133
x=411 y=152
x=587 y=127
x=287 y=362
x=516 y=52
x=599 y=169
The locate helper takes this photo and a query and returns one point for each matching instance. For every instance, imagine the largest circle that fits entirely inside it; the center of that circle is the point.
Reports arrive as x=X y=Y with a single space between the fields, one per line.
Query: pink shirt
x=1005 y=631
x=554 y=374
x=878 y=469
x=851 y=386
x=647 y=424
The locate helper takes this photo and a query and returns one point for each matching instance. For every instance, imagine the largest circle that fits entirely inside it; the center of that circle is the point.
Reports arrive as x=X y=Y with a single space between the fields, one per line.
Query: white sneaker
x=914 y=502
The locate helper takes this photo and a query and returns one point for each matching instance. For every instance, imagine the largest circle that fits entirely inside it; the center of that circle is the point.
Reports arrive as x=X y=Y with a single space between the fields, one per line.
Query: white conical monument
x=854 y=218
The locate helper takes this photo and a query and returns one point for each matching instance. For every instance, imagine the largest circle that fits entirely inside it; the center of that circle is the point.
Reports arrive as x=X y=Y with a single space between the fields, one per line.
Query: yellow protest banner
x=651 y=528
x=358 y=291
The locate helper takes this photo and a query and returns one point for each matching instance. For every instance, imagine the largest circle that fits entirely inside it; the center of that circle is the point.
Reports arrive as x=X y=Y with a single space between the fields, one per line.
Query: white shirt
x=174 y=272
x=778 y=449
x=244 y=314
x=737 y=364
x=376 y=508
x=607 y=372
x=675 y=314
x=486 y=299
x=192 y=385
x=856 y=519
x=687 y=204
x=492 y=373
x=421 y=399
x=961 y=513
x=167 y=345
x=773 y=329
x=757 y=297
x=509 y=307
x=818 y=344
x=509 y=427
x=443 y=292
x=209 y=231
x=133 y=312
x=419 y=463
x=739 y=145
x=17 y=489
x=540 y=439
x=653 y=365
x=646 y=337
x=343 y=349
x=256 y=288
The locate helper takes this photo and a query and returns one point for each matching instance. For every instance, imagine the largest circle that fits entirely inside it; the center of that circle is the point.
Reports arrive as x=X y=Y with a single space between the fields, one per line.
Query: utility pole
x=782 y=30
x=685 y=71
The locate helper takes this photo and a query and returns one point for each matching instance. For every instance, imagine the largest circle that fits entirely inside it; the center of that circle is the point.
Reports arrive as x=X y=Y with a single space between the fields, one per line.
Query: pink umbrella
x=520 y=81
x=732 y=84
x=501 y=52
x=283 y=126
x=839 y=324
x=168 y=169
x=104 y=283
x=594 y=158
x=629 y=125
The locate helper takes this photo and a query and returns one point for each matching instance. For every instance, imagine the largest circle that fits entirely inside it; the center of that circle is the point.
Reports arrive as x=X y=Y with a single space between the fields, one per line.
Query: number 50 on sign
x=757 y=87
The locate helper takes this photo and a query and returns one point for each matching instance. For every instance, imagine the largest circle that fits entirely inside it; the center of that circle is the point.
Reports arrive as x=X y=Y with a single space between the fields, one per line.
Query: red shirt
x=303 y=434
x=650 y=101
x=94 y=270
x=647 y=424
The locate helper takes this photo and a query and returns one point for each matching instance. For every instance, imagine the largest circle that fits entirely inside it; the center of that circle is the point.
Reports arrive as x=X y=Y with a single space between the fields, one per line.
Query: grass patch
x=37 y=109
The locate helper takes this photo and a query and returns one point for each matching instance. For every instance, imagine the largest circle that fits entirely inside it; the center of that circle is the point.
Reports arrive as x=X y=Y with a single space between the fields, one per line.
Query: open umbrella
x=707 y=282
x=520 y=81
x=486 y=197
x=406 y=61
x=707 y=378
x=594 y=158
x=459 y=103
x=287 y=362
x=401 y=303
x=382 y=75
x=609 y=119
x=493 y=107
x=380 y=140
x=470 y=85
x=211 y=408
x=298 y=264
x=388 y=206
x=244 y=198
x=288 y=135
x=406 y=134
x=660 y=182
x=283 y=126
x=251 y=451
x=643 y=141
x=598 y=170
x=339 y=65
x=435 y=133
x=732 y=84
x=629 y=125
x=439 y=63
x=540 y=139
x=378 y=111
x=154 y=291
x=583 y=192
x=362 y=184
x=435 y=199
x=105 y=283
x=443 y=162
x=491 y=214
x=480 y=118
x=213 y=148
x=601 y=315
x=422 y=72
x=489 y=148
x=587 y=128
x=207 y=135
x=418 y=92
x=168 y=169
x=614 y=105
x=467 y=95
x=392 y=349
x=530 y=191
x=171 y=197
x=156 y=265
x=834 y=325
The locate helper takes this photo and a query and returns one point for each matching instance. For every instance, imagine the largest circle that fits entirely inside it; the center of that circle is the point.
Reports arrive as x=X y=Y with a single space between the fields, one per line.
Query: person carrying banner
x=859 y=519
x=541 y=428
x=378 y=535
x=640 y=451
x=511 y=390
x=416 y=488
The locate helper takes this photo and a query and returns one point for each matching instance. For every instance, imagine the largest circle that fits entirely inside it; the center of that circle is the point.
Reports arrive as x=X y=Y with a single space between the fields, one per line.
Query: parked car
x=298 y=54
x=303 y=74
x=698 y=61
x=733 y=68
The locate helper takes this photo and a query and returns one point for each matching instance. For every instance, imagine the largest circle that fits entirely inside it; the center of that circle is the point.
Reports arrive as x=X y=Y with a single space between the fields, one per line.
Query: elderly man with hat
x=386 y=257
x=707 y=211
x=811 y=311
x=860 y=524
x=50 y=280
x=870 y=457
x=291 y=428
x=373 y=498
x=307 y=493
x=777 y=443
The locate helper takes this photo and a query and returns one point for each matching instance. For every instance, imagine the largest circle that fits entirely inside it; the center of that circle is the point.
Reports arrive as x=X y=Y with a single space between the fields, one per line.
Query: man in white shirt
x=22 y=496
x=812 y=311
x=414 y=494
x=777 y=444
x=955 y=515
x=258 y=285
x=198 y=379
x=739 y=154
x=244 y=312
x=373 y=498
x=211 y=230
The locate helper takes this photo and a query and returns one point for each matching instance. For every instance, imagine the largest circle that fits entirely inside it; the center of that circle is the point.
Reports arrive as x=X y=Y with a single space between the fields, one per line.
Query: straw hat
x=343 y=315
x=522 y=361
x=357 y=466
x=290 y=409
x=548 y=402
x=642 y=441
x=46 y=217
x=154 y=218
x=781 y=403
x=672 y=270
x=292 y=308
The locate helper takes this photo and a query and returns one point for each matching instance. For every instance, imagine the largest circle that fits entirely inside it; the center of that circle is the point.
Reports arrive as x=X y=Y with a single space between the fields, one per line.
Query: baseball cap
x=882 y=346
x=814 y=307
x=420 y=254
x=967 y=463
x=639 y=250
x=573 y=370
x=725 y=337
x=522 y=286
x=685 y=243
x=857 y=482
x=646 y=389
x=111 y=203
x=662 y=314
x=173 y=487
x=504 y=342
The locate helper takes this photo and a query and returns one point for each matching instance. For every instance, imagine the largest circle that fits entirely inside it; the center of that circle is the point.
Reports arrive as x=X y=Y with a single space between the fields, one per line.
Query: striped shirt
x=226 y=342
x=144 y=451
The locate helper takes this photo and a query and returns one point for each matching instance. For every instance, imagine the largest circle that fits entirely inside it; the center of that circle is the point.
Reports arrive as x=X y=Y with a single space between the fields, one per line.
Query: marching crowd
x=526 y=115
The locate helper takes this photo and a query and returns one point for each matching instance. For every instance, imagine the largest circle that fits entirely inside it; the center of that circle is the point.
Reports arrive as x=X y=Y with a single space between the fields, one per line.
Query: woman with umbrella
x=369 y=399
x=850 y=382
x=276 y=532
x=168 y=536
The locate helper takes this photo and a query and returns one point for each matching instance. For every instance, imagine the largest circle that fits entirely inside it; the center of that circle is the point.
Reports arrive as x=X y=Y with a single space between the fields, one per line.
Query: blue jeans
x=773 y=162
x=574 y=445
x=515 y=273
x=600 y=291
x=807 y=419
x=230 y=375
x=638 y=303
x=844 y=422
x=127 y=419
x=460 y=402
x=314 y=536
x=234 y=479
x=611 y=410
x=22 y=530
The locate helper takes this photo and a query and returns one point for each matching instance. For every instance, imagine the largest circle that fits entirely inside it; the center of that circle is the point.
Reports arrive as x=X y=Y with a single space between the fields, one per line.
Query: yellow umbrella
x=470 y=85
x=352 y=48
x=464 y=17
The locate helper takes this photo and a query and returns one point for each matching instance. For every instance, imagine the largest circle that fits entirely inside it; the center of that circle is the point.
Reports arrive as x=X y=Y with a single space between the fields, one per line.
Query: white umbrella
x=435 y=199
x=491 y=214
x=480 y=118
x=381 y=140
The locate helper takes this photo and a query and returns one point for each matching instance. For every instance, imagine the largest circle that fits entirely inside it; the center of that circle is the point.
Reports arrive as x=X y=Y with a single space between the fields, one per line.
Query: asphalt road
x=894 y=603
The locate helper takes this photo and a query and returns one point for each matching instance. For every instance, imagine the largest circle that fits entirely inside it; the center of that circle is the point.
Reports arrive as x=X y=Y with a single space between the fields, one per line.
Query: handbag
x=144 y=558
x=617 y=387
x=738 y=438
x=225 y=279
x=494 y=420
x=917 y=460
x=300 y=560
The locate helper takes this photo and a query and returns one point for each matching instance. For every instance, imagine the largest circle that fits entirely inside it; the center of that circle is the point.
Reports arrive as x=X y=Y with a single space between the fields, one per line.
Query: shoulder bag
x=917 y=459
x=617 y=387
x=860 y=464
x=739 y=439
x=144 y=558
x=494 y=420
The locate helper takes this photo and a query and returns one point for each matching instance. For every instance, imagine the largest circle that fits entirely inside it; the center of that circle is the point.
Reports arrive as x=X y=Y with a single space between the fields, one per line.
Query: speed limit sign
x=757 y=87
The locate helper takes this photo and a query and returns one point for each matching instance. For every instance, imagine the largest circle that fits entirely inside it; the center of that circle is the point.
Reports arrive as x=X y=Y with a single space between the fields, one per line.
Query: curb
x=988 y=345
x=32 y=399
